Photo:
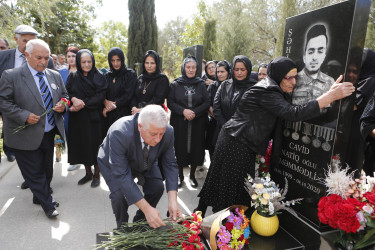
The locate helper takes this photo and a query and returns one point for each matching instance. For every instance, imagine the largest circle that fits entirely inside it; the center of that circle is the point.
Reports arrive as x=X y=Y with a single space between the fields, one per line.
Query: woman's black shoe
x=193 y=182
x=95 y=182
x=85 y=180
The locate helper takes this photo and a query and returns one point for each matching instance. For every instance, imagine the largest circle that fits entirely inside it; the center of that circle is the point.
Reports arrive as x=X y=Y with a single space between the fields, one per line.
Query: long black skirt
x=224 y=184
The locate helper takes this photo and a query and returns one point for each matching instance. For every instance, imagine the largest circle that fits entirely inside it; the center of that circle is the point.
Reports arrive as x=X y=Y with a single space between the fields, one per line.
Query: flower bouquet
x=227 y=229
x=349 y=207
x=60 y=147
x=59 y=144
x=63 y=101
x=262 y=163
x=183 y=234
x=267 y=199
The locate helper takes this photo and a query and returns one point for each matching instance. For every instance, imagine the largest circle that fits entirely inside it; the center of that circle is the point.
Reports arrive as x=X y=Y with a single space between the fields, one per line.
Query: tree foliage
x=110 y=34
x=209 y=40
x=234 y=34
x=61 y=23
x=193 y=34
x=142 y=31
x=171 y=45
x=370 y=36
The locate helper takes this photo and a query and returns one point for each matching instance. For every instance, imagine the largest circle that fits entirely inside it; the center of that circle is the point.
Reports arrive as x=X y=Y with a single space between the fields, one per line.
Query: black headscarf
x=116 y=51
x=247 y=81
x=157 y=72
x=206 y=68
x=183 y=78
x=368 y=64
x=279 y=67
x=227 y=67
x=94 y=79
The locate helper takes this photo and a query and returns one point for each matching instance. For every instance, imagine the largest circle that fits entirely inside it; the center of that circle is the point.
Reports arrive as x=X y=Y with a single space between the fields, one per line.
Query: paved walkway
x=84 y=211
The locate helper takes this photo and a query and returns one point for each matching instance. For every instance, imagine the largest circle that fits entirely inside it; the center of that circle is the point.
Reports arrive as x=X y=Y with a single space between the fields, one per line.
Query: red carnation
x=241 y=238
x=229 y=226
x=370 y=197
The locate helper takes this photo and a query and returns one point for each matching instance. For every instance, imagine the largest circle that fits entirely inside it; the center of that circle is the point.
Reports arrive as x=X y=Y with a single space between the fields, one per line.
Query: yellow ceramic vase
x=264 y=226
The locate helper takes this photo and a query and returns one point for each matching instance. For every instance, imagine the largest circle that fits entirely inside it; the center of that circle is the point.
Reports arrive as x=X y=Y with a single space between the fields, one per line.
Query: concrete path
x=84 y=211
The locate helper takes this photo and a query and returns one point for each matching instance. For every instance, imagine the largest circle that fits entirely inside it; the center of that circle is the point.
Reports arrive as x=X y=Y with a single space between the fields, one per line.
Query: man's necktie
x=46 y=97
x=145 y=155
x=140 y=177
x=23 y=58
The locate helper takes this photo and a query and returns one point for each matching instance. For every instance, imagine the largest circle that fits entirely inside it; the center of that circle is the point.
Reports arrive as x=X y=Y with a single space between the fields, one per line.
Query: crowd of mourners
x=229 y=110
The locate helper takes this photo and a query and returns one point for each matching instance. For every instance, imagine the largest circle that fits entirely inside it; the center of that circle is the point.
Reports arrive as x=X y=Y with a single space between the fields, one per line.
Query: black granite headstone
x=197 y=51
x=324 y=43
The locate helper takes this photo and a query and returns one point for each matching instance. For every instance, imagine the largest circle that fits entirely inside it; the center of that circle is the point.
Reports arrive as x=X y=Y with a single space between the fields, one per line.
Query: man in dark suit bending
x=26 y=93
x=131 y=150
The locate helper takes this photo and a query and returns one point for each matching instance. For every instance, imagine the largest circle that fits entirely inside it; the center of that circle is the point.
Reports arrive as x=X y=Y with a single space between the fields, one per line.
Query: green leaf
x=367 y=240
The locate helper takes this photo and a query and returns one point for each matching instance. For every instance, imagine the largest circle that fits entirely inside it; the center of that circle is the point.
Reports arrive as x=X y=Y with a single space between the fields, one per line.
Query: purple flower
x=224 y=235
x=236 y=220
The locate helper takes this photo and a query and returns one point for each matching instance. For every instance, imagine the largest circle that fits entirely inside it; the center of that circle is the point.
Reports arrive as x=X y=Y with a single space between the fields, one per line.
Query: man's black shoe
x=52 y=213
x=37 y=202
x=11 y=158
x=24 y=185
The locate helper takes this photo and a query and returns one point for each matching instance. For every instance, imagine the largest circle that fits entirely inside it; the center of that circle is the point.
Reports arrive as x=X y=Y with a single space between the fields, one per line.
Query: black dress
x=189 y=135
x=86 y=126
x=150 y=90
x=120 y=90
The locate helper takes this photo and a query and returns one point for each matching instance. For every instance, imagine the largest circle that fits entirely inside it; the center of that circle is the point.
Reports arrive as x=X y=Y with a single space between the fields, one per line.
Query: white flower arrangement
x=267 y=198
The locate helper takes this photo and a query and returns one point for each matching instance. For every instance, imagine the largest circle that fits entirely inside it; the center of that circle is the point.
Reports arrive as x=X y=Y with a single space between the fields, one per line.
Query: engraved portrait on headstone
x=312 y=82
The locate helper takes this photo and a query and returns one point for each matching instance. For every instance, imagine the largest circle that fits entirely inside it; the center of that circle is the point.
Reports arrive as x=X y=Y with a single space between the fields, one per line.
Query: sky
x=165 y=10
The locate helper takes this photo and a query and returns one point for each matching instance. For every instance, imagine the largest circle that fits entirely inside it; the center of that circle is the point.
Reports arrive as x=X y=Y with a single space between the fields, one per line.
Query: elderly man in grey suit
x=14 y=58
x=26 y=93
x=131 y=150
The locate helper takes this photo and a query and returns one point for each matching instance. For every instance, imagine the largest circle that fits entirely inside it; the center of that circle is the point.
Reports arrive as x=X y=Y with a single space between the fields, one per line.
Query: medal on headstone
x=316 y=142
x=328 y=137
x=297 y=127
x=286 y=130
x=307 y=131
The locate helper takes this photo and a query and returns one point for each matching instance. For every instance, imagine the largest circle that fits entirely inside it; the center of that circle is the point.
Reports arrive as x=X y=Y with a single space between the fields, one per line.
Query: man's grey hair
x=30 y=45
x=153 y=114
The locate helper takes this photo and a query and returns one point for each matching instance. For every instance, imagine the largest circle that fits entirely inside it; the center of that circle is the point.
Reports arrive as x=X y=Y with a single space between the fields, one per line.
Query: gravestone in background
x=197 y=52
x=308 y=146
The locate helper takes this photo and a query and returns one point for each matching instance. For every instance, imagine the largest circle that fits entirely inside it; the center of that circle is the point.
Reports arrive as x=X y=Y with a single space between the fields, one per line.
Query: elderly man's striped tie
x=46 y=97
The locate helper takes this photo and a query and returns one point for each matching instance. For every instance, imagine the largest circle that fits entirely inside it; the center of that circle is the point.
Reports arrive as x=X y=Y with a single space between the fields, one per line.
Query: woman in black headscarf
x=230 y=92
x=209 y=76
x=121 y=85
x=188 y=101
x=86 y=88
x=248 y=132
x=152 y=86
x=223 y=74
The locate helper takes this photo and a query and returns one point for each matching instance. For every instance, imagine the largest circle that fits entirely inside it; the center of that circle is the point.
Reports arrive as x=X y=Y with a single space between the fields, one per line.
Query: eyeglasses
x=288 y=78
x=212 y=67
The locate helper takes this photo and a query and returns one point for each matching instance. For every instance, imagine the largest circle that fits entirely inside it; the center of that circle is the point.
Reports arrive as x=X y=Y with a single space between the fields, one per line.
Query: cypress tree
x=142 y=31
x=209 y=40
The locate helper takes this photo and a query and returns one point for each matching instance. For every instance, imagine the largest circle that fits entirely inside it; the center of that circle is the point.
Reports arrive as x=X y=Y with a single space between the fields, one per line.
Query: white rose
x=368 y=209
